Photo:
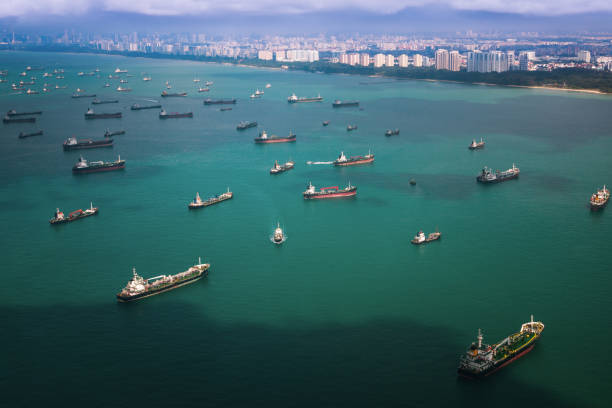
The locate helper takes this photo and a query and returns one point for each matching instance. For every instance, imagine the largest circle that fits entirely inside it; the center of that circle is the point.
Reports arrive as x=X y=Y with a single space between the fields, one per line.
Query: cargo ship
x=102 y=102
x=199 y=203
x=13 y=113
x=476 y=145
x=108 y=133
x=294 y=99
x=488 y=176
x=121 y=71
x=342 y=160
x=280 y=168
x=122 y=89
x=264 y=138
x=73 y=144
x=329 y=192
x=24 y=135
x=141 y=107
x=90 y=114
x=83 y=166
x=392 y=132
x=219 y=101
x=165 y=94
x=342 y=104
x=421 y=239
x=246 y=124
x=80 y=95
x=482 y=360
x=165 y=115
x=11 y=119
x=140 y=288
x=600 y=198
x=60 y=218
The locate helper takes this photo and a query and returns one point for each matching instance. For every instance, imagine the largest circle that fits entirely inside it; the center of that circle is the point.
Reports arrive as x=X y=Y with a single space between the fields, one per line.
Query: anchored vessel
x=329 y=192
x=342 y=160
x=392 y=132
x=600 y=198
x=421 y=239
x=102 y=102
x=325 y=122
x=83 y=166
x=164 y=115
x=73 y=144
x=246 y=124
x=280 y=168
x=13 y=112
x=24 y=135
x=198 y=203
x=340 y=104
x=165 y=94
x=10 y=119
x=60 y=218
x=476 y=145
x=219 y=101
x=90 y=114
x=139 y=287
x=351 y=127
x=294 y=99
x=264 y=138
x=108 y=133
x=203 y=89
x=488 y=176
x=482 y=360
x=278 y=236
x=81 y=95
x=140 y=107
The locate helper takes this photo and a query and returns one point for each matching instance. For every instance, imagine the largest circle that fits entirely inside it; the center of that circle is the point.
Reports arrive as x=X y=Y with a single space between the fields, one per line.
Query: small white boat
x=268 y=85
x=279 y=236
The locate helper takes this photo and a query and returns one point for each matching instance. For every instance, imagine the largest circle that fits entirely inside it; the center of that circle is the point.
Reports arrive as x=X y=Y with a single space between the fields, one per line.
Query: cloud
x=20 y=8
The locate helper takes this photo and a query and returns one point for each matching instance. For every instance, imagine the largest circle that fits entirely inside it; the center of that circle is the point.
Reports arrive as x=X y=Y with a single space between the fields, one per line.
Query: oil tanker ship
x=73 y=144
x=141 y=107
x=60 y=218
x=83 y=166
x=329 y=192
x=12 y=119
x=600 y=198
x=90 y=114
x=488 y=176
x=140 y=288
x=199 y=203
x=219 y=101
x=264 y=138
x=342 y=104
x=165 y=94
x=104 y=101
x=165 y=115
x=13 y=112
x=342 y=160
x=476 y=145
x=482 y=360
x=294 y=99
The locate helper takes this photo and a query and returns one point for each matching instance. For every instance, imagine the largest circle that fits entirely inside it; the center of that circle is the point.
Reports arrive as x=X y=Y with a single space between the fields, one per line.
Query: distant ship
x=82 y=95
x=140 y=288
x=482 y=360
x=101 y=102
x=109 y=133
x=294 y=99
x=165 y=94
x=325 y=122
x=268 y=85
x=279 y=236
x=264 y=138
x=280 y=168
x=208 y=83
x=225 y=109
x=219 y=101
x=90 y=114
x=476 y=145
x=83 y=166
x=199 y=203
x=31 y=92
x=203 y=89
x=122 y=89
x=341 y=104
x=196 y=80
x=351 y=127
x=73 y=144
x=329 y=192
x=140 y=107
x=258 y=92
x=246 y=124
x=392 y=132
x=12 y=119
x=421 y=239
x=488 y=176
x=342 y=160
x=121 y=71
x=164 y=115
x=147 y=79
x=600 y=198
x=60 y=218
x=24 y=135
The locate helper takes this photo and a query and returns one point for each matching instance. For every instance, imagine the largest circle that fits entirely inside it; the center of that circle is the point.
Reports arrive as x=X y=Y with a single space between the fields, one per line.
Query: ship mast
x=479 y=339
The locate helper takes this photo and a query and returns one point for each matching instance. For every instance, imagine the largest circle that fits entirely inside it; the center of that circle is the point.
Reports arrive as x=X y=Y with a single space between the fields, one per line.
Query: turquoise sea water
x=346 y=312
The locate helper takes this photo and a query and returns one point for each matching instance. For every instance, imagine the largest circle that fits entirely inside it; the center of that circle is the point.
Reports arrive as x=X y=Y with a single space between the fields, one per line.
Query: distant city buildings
x=364 y=60
x=379 y=60
x=265 y=55
x=454 y=61
x=299 y=56
x=584 y=56
x=402 y=61
x=492 y=61
x=442 y=59
x=417 y=60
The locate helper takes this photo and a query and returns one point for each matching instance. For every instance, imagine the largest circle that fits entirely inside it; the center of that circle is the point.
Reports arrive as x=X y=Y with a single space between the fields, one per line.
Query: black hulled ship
x=84 y=167
x=73 y=144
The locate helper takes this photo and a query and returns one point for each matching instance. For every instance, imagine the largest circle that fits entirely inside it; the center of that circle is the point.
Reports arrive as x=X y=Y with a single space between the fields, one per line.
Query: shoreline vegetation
x=564 y=79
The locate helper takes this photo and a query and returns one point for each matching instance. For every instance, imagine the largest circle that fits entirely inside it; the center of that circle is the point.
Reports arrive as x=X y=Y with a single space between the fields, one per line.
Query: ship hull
x=306 y=100
x=11 y=114
x=181 y=115
x=86 y=145
x=596 y=207
x=318 y=196
x=224 y=102
x=275 y=140
x=146 y=107
x=102 y=115
x=150 y=293
x=19 y=120
x=193 y=206
x=481 y=179
x=345 y=104
x=98 y=169
x=67 y=220
x=23 y=136
x=475 y=147
x=354 y=162
x=497 y=366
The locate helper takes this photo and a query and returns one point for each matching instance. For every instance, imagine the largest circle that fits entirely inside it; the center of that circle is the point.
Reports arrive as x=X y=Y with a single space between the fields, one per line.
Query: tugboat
x=392 y=132
x=476 y=145
x=281 y=168
x=421 y=239
x=101 y=102
x=165 y=94
x=245 y=125
x=90 y=114
x=264 y=138
x=329 y=192
x=108 y=133
x=140 y=107
x=139 y=288
x=278 y=237
x=353 y=160
x=600 y=199
x=351 y=127
x=198 y=203
x=13 y=113
x=487 y=175
x=341 y=104
x=219 y=101
x=83 y=166
x=482 y=360
x=294 y=99
x=164 y=115
x=73 y=144
x=60 y=218
x=325 y=122
x=24 y=135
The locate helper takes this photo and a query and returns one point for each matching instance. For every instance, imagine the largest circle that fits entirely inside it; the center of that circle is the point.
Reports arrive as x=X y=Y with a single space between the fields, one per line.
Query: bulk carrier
x=199 y=203
x=219 y=101
x=264 y=138
x=90 y=114
x=342 y=104
x=73 y=144
x=83 y=166
x=488 y=176
x=294 y=99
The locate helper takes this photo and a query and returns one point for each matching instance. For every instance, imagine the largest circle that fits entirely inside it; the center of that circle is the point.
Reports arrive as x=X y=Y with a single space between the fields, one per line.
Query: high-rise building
x=584 y=56
x=379 y=60
x=280 y=55
x=442 y=60
x=523 y=62
x=402 y=61
x=364 y=59
x=353 y=58
x=510 y=57
x=498 y=61
x=417 y=60
x=344 y=59
x=265 y=55
x=389 y=60
x=454 y=61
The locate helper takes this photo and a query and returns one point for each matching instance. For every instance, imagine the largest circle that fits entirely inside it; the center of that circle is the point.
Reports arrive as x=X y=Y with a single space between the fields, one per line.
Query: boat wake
x=311 y=162
x=277 y=243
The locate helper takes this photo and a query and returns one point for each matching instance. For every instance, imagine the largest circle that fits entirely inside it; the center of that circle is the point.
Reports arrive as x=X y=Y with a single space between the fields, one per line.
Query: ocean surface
x=346 y=313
